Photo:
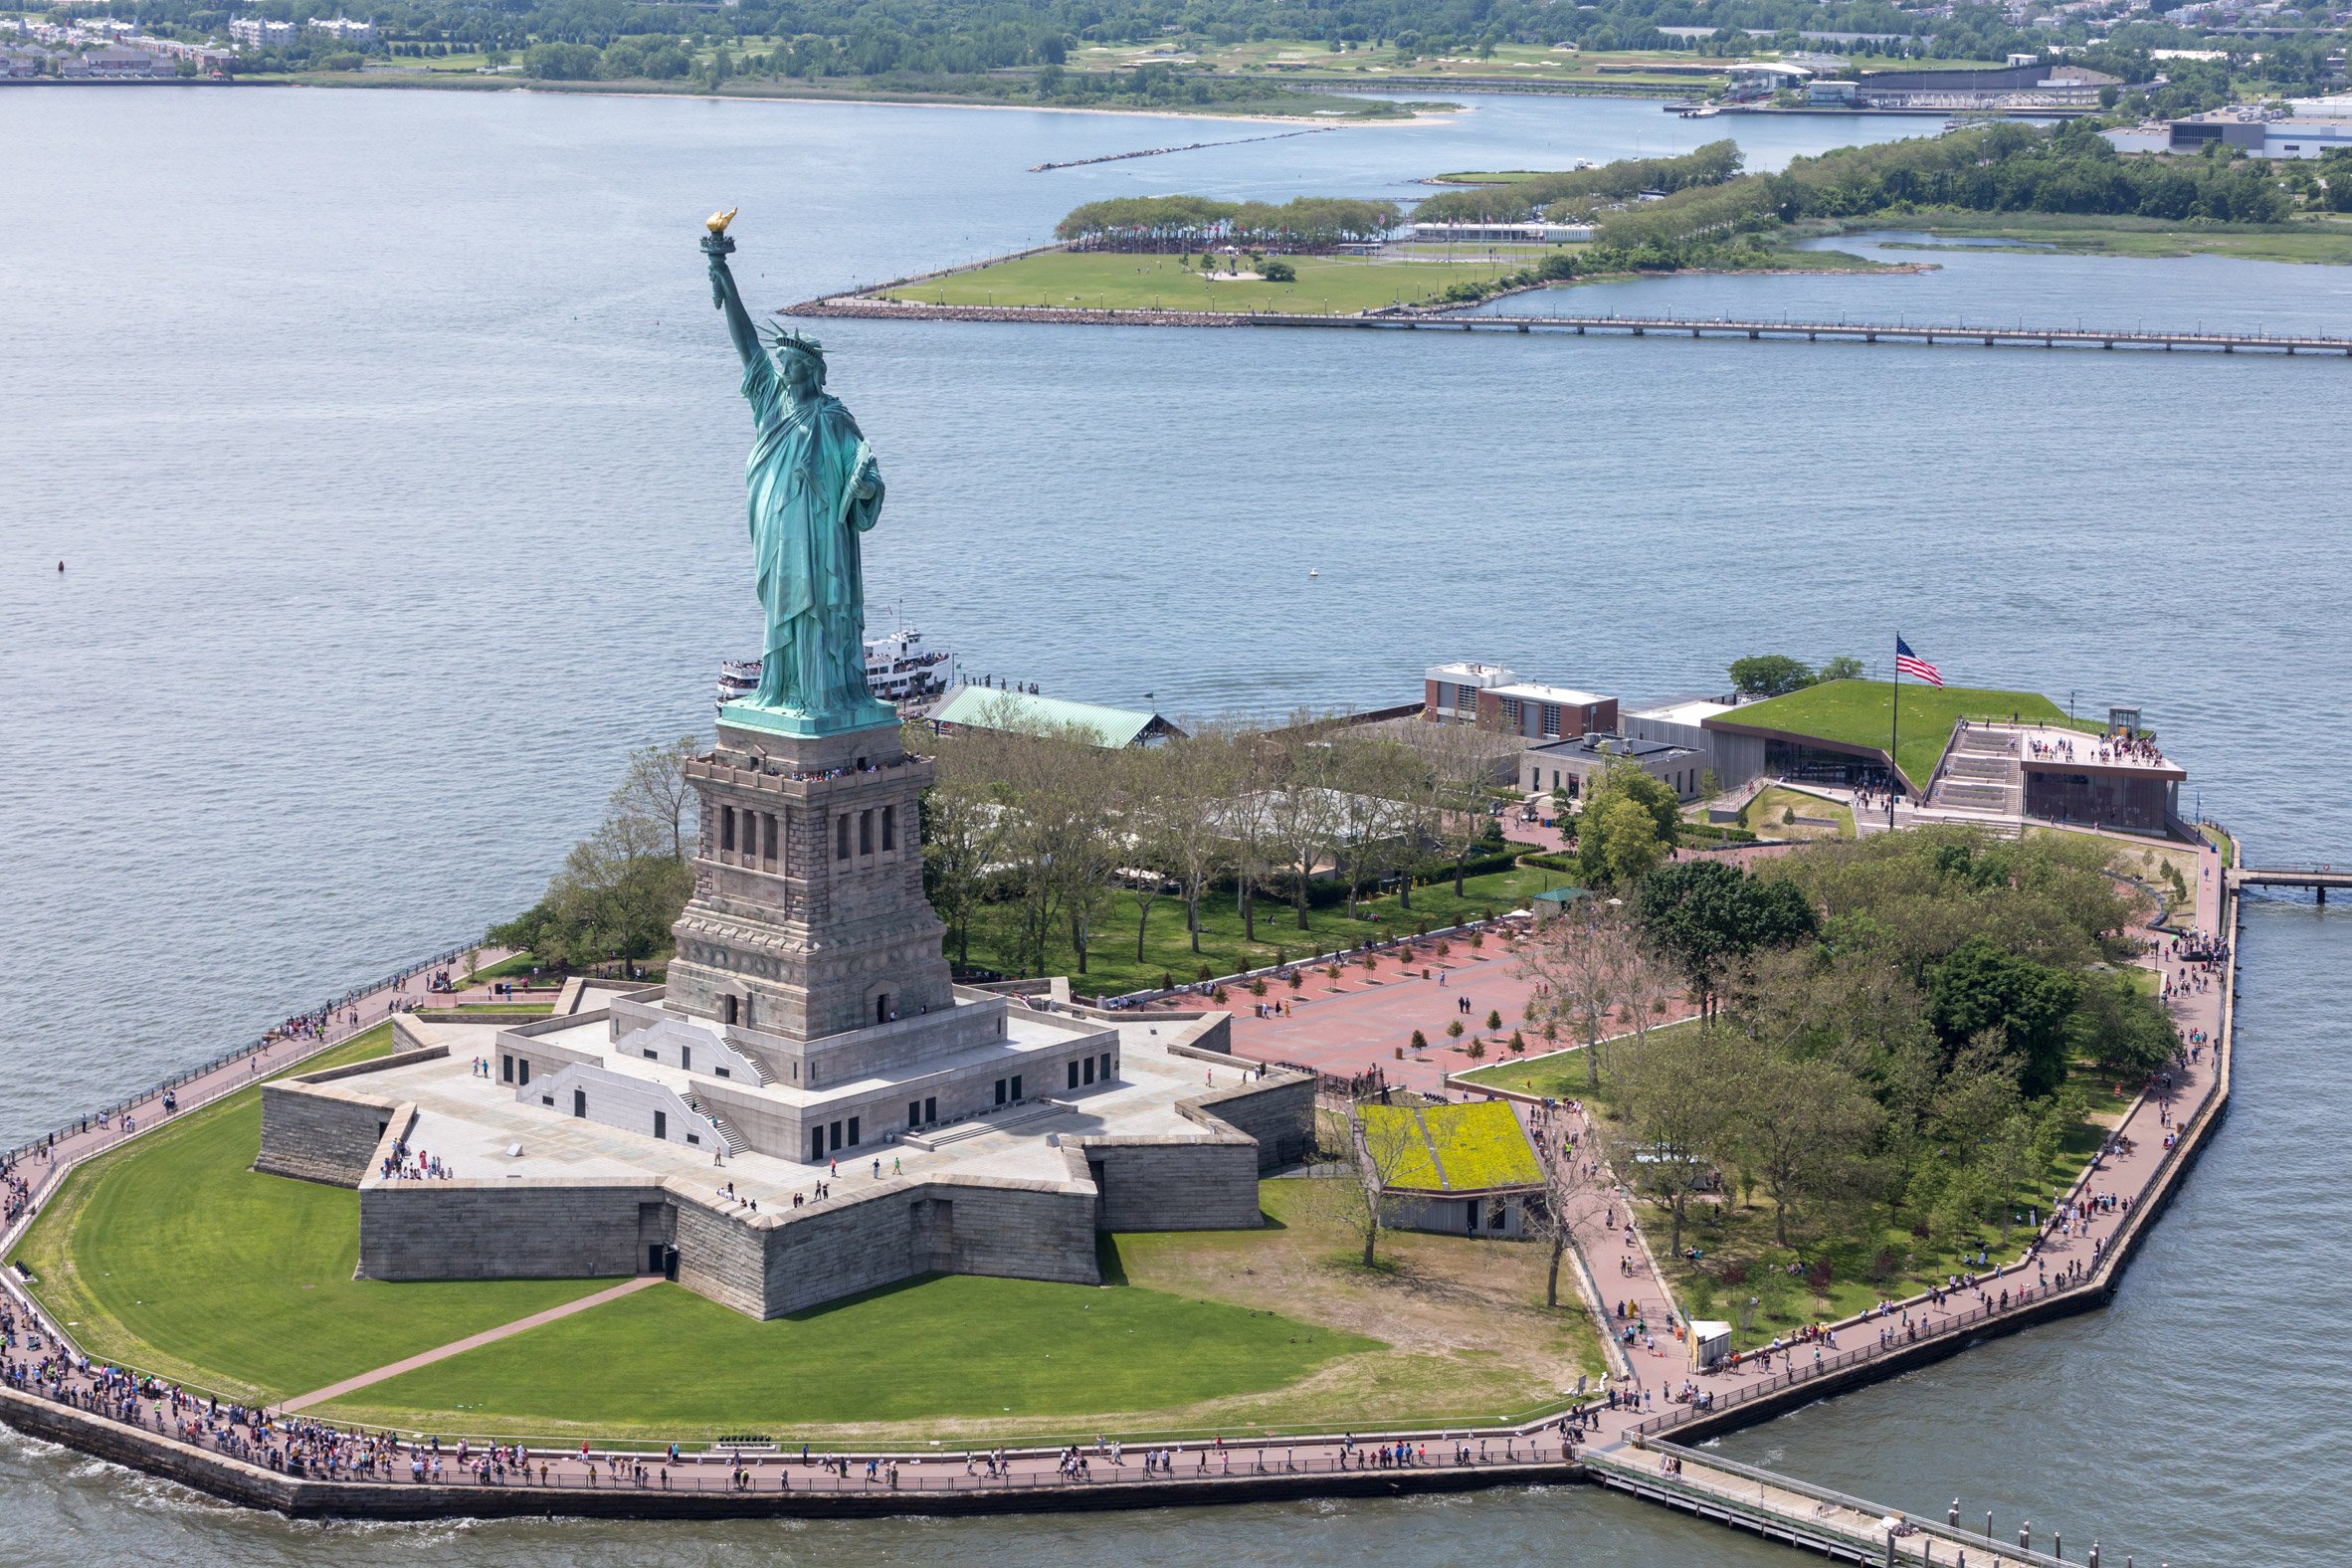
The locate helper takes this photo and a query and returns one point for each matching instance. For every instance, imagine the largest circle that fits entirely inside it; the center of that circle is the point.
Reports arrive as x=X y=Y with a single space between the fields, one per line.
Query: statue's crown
x=786 y=340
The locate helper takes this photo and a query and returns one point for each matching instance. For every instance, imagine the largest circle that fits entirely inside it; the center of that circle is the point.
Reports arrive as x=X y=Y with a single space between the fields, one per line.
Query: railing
x=155 y=1092
x=1964 y=1541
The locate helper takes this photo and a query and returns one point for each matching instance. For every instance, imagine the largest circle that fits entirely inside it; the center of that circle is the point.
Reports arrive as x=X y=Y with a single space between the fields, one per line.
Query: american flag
x=1907 y=663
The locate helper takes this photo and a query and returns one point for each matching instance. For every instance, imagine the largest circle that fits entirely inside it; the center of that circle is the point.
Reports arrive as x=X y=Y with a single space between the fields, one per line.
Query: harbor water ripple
x=394 y=457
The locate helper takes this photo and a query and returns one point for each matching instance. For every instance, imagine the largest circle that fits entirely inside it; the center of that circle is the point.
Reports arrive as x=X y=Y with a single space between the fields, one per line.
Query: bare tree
x=1371 y=818
x=1568 y=1200
x=1674 y=1120
x=1462 y=762
x=655 y=789
x=963 y=829
x=1385 y=1143
x=1247 y=836
x=1578 y=963
x=1295 y=806
x=1188 y=815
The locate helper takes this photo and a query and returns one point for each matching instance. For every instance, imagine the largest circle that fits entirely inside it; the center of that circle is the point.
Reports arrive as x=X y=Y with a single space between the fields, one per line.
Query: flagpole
x=1894 y=720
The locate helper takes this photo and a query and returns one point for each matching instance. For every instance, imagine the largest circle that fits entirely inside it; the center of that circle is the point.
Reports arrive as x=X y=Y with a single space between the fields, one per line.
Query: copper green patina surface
x=814 y=489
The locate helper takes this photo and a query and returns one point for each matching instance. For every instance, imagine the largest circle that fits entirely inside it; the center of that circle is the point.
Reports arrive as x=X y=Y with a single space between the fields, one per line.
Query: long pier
x=1934 y=335
x=2320 y=879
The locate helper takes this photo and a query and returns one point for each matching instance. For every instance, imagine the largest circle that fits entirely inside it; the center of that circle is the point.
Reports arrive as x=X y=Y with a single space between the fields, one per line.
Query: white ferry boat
x=898 y=671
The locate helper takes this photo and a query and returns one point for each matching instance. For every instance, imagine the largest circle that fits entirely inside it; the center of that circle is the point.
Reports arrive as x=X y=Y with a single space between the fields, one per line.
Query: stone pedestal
x=808 y=917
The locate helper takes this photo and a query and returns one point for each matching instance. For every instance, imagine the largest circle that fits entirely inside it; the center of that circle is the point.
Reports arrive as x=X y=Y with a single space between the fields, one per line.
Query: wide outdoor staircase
x=1981 y=773
x=728 y=1138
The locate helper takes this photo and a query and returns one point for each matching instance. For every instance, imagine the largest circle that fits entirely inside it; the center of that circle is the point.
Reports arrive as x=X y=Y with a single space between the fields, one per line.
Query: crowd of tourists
x=404 y=1164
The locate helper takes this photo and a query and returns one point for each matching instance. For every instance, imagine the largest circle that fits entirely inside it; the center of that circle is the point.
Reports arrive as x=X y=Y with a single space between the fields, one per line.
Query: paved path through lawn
x=470 y=1343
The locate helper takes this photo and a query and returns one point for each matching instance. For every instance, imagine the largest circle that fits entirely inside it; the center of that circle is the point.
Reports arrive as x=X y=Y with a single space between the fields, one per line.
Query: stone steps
x=728 y=1138
x=981 y=1126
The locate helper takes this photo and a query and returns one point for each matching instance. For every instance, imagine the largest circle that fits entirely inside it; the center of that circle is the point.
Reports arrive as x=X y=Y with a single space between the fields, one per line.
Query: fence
x=1928 y=1530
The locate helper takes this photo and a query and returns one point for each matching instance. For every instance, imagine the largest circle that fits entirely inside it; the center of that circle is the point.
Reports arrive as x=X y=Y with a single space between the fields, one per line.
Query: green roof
x=999 y=708
x=1858 y=714
x=1459 y=1148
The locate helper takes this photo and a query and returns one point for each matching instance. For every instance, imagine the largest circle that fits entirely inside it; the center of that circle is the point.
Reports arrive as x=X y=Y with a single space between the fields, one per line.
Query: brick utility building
x=1467 y=694
x=809 y=1031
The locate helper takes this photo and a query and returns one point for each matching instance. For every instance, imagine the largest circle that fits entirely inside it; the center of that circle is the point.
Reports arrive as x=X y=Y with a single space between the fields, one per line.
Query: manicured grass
x=1096 y=280
x=171 y=1256
x=1763 y=815
x=1112 y=968
x=948 y=1347
x=1858 y=714
x=1559 y=1075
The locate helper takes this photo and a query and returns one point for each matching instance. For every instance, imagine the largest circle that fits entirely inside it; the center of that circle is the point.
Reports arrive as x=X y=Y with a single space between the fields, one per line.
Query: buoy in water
x=1311 y=572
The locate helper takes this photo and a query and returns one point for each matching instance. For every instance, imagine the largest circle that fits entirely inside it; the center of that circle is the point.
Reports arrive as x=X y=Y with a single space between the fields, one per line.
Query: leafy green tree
x=1843 y=668
x=2119 y=1028
x=1705 y=913
x=1770 y=675
x=1982 y=987
x=1628 y=823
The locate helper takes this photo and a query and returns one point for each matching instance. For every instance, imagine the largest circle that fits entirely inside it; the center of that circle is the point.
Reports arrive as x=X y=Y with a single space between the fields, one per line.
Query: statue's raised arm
x=724 y=295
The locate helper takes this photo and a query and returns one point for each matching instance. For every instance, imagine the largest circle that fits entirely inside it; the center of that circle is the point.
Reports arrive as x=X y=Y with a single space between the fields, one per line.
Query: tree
x=1144 y=786
x=1770 y=675
x=1189 y=813
x=1843 y=668
x=1370 y=819
x=1577 y=966
x=1460 y=764
x=1705 y=913
x=1384 y=1142
x=1673 y=1119
x=1628 y=823
x=962 y=829
x=1803 y=1131
x=655 y=788
x=2120 y=1029
x=1982 y=986
x=1296 y=810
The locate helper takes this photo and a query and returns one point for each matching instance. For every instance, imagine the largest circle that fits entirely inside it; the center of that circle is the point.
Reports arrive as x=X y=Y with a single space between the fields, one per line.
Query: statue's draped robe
x=814 y=489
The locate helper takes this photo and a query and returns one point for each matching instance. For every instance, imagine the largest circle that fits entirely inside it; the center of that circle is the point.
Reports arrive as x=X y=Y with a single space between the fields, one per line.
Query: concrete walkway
x=458 y=1347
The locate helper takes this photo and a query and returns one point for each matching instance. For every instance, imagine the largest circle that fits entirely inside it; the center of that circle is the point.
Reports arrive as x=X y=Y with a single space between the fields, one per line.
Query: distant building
x=260 y=32
x=1491 y=695
x=118 y=65
x=1001 y=708
x=2153 y=137
x=1502 y=233
x=208 y=57
x=344 y=28
x=1570 y=766
x=1838 y=95
x=1682 y=721
x=2259 y=135
x=2011 y=87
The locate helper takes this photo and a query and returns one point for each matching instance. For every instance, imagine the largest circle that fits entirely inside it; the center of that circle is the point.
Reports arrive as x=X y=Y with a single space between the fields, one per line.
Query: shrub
x=1420 y=1041
x=1217 y=996
x=1258 y=985
x=1477 y=1049
x=1494 y=1017
x=1281 y=958
x=1167 y=981
x=1444 y=947
x=1453 y=1029
x=1204 y=974
x=1278 y=273
x=1519 y=1043
x=1295 y=978
x=1733 y=1274
x=1818 y=1277
x=1477 y=938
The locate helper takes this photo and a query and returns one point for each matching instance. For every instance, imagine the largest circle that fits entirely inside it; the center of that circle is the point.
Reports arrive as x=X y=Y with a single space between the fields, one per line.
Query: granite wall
x=317 y=1137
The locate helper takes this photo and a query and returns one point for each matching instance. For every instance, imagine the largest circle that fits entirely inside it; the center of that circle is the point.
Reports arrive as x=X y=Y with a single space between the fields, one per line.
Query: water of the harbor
x=393 y=453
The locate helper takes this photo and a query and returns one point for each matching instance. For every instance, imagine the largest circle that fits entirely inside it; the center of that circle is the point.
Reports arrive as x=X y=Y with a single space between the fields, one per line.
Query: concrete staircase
x=728 y=1138
x=981 y=1126
x=1981 y=773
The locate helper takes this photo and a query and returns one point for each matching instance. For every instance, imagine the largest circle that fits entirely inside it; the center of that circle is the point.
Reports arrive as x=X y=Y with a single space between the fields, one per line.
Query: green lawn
x=1764 y=813
x=1558 y=1076
x=1114 y=969
x=1096 y=280
x=174 y=1257
x=947 y=1347
x=1858 y=714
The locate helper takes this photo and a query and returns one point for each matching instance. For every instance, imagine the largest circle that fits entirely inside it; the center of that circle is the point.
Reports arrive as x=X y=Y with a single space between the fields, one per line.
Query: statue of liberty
x=814 y=487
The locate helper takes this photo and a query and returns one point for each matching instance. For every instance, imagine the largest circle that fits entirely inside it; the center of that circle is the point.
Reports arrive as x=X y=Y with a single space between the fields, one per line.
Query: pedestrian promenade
x=2072 y=1261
